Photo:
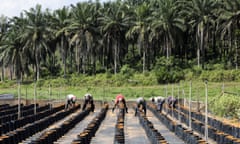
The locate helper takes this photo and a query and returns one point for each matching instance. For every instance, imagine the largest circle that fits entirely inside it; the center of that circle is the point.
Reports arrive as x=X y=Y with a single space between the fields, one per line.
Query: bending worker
x=71 y=100
x=171 y=102
x=159 y=101
x=141 y=102
x=88 y=99
x=120 y=99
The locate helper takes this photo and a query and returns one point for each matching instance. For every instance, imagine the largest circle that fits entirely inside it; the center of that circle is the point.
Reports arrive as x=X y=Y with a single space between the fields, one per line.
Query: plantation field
x=58 y=126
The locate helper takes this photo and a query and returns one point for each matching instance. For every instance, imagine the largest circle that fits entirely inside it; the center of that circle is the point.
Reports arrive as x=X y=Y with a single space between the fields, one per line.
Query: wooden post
x=26 y=96
x=179 y=119
x=35 y=98
x=184 y=98
x=50 y=95
x=206 y=111
x=19 y=100
x=172 y=101
x=190 y=96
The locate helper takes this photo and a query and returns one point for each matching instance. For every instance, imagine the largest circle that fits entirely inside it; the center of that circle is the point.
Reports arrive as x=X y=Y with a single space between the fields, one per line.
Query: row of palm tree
x=93 y=36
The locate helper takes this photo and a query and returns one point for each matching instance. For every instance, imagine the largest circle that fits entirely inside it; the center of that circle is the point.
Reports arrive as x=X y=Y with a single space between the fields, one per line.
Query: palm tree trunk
x=2 y=78
x=236 y=53
x=37 y=67
x=144 y=60
x=11 y=72
x=63 y=55
x=167 y=46
x=77 y=58
x=202 y=46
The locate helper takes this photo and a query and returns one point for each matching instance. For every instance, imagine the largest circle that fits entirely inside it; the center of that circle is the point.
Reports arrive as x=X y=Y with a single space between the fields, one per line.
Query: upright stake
x=166 y=91
x=223 y=88
x=184 y=98
x=19 y=100
x=206 y=111
x=190 y=96
x=35 y=97
x=172 y=101
x=178 y=102
x=50 y=104
x=26 y=97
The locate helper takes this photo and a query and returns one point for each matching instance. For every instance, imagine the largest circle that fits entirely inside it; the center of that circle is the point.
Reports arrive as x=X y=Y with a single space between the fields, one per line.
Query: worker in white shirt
x=71 y=100
x=88 y=99
x=141 y=103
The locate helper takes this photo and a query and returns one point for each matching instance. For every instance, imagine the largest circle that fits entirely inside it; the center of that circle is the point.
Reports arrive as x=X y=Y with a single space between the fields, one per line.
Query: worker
x=71 y=100
x=88 y=100
x=171 y=101
x=120 y=99
x=141 y=103
x=159 y=101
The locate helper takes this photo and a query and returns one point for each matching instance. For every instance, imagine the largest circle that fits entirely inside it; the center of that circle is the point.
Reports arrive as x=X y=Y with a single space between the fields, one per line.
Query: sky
x=12 y=8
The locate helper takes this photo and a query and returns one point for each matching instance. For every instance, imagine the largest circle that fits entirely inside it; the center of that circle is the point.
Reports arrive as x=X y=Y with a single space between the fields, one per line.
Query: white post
x=190 y=96
x=184 y=98
x=172 y=101
x=19 y=100
x=166 y=91
x=26 y=96
x=50 y=93
x=35 y=98
x=178 y=102
x=223 y=88
x=206 y=111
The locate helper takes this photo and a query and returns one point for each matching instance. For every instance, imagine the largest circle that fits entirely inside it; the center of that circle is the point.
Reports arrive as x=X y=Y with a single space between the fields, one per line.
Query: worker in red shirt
x=120 y=98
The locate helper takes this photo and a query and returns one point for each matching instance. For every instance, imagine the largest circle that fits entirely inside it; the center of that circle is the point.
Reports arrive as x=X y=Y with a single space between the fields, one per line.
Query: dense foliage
x=164 y=36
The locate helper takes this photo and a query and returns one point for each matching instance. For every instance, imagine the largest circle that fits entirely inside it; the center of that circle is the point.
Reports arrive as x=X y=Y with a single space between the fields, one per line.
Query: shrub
x=168 y=70
x=226 y=106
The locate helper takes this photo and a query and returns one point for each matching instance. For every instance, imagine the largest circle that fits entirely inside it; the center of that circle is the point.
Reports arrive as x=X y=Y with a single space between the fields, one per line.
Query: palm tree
x=12 y=51
x=141 y=28
x=166 y=22
x=229 y=25
x=3 y=30
x=36 y=36
x=61 y=21
x=83 y=30
x=114 y=24
x=201 y=18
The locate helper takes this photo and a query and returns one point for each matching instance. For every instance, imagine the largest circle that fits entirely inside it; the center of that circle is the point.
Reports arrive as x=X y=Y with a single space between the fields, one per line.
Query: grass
x=224 y=105
x=108 y=92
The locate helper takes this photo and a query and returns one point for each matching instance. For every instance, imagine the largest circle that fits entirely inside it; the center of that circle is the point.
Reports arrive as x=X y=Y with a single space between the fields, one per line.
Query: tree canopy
x=93 y=37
